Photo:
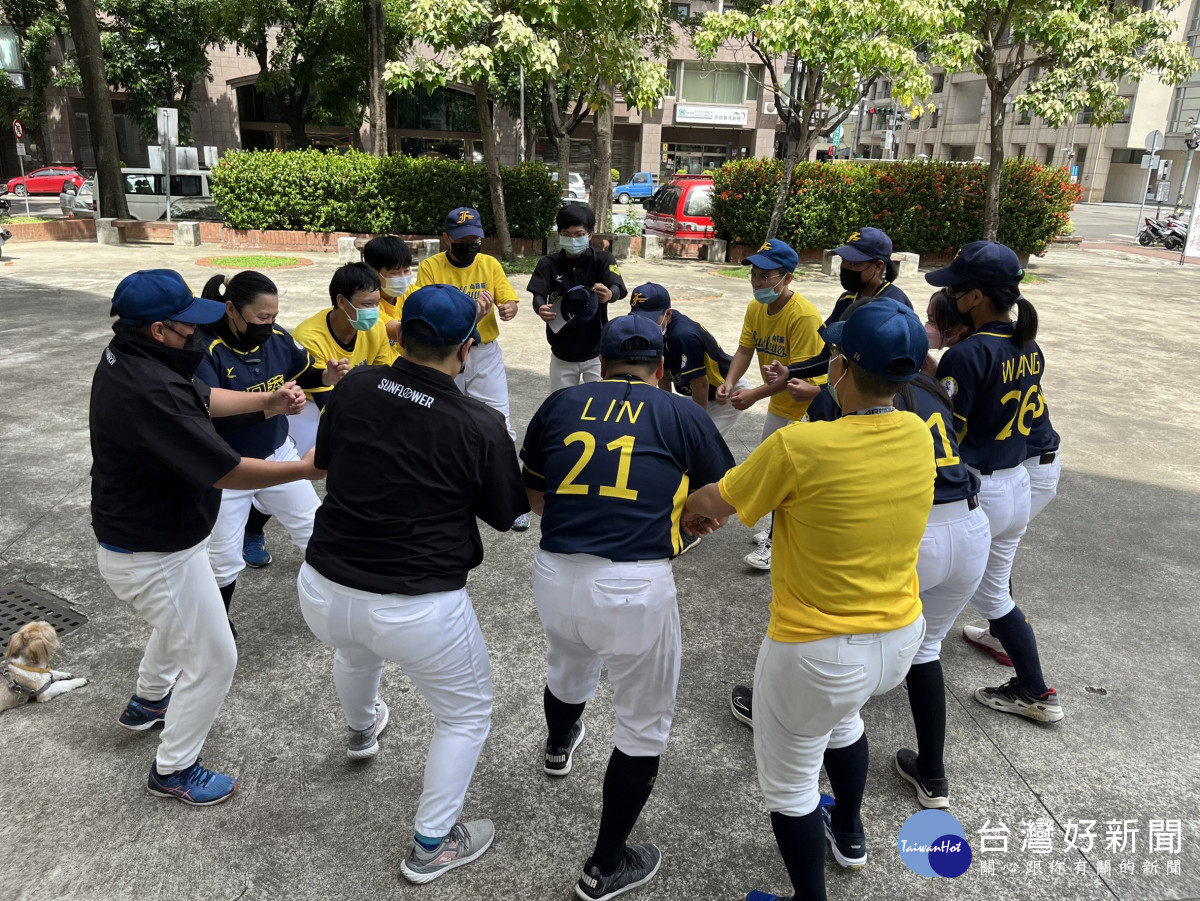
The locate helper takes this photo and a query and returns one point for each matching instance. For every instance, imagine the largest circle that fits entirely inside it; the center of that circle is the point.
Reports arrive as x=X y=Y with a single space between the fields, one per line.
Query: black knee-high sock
x=927 y=699
x=801 y=841
x=628 y=782
x=227 y=593
x=560 y=717
x=847 y=771
x=1016 y=635
x=256 y=521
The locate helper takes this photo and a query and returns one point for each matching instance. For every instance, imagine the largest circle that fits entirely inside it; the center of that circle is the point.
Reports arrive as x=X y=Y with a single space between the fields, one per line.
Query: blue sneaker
x=849 y=848
x=756 y=895
x=140 y=714
x=195 y=785
x=521 y=523
x=254 y=551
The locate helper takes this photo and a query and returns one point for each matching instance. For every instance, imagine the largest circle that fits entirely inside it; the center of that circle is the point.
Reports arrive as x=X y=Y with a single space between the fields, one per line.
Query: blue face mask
x=574 y=246
x=364 y=320
x=771 y=294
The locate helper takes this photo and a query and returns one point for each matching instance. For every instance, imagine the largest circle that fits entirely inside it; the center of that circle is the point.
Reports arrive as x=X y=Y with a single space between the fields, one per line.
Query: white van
x=145 y=190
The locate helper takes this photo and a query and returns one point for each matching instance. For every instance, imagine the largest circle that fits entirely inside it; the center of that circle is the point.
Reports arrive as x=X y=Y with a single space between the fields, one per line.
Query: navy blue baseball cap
x=463 y=222
x=774 y=254
x=866 y=244
x=985 y=262
x=649 y=300
x=155 y=295
x=445 y=309
x=579 y=303
x=884 y=337
x=624 y=328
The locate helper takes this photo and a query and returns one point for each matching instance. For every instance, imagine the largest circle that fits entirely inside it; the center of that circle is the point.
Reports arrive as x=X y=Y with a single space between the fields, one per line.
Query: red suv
x=682 y=208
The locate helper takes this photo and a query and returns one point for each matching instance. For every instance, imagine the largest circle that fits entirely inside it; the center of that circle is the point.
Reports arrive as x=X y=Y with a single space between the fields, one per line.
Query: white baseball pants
x=725 y=416
x=807 y=697
x=293 y=503
x=437 y=642
x=190 y=650
x=954 y=552
x=1004 y=497
x=484 y=379
x=623 y=616
x=564 y=374
x=773 y=424
x=1043 y=482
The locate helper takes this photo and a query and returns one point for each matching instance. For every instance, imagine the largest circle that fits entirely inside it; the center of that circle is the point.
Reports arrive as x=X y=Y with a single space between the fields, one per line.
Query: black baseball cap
x=449 y=312
x=984 y=262
x=155 y=295
x=649 y=299
x=579 y=303
x=884 y=337
x=622 y=330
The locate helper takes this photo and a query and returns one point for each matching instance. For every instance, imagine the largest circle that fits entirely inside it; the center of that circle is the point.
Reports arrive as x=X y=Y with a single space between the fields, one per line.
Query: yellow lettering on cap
x=857 y=236
x=766 y=246
x=463 y=216
x=636 y=298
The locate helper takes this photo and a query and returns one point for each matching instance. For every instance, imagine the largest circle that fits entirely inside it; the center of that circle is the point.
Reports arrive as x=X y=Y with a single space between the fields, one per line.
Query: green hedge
x=926 y=207
x=311 y=190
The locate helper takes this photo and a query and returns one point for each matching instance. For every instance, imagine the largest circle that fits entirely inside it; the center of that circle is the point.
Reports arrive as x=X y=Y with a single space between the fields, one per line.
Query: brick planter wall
x=59 y=230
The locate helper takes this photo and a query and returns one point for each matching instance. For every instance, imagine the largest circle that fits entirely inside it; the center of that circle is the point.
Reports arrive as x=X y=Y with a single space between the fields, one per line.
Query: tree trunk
x=86 y=32
x=556 y=131
x=491 y=159
x=602 y=161
x=795 y=147
x=376 y=23
x=991 y=194
x=291 y=108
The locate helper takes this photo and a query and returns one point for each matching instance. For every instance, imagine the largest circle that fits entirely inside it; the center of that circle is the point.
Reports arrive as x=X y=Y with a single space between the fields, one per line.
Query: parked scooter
x=4 y=204
x=1170 y=232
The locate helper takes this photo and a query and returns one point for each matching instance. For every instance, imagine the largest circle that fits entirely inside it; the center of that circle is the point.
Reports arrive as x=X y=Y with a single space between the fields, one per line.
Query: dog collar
x=31 y=669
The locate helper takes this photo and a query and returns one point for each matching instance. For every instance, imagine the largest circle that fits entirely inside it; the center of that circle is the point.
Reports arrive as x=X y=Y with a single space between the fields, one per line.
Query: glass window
x=186 y=186
x=681 y=10
x=713 y=83
x=666 y=201
x=699 y=201
x=10 y=54
x=1185 y=105
x=441 y=109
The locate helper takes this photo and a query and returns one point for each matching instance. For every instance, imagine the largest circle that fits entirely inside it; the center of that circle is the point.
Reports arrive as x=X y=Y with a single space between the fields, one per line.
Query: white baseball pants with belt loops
x=954 y=554
x=437 y=642
x=484 y=378
x=566 y=374
x=1043 y=482
x=1004 y=497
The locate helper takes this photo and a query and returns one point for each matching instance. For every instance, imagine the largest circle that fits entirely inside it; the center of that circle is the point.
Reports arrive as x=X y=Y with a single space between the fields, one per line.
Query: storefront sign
x=711 y=115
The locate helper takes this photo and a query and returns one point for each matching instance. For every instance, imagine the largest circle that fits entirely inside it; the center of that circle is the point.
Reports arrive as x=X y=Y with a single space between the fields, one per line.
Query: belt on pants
x=1047 y=458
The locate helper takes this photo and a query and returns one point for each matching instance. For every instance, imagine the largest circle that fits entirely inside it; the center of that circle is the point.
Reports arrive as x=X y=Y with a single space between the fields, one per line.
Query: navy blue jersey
x=616 y=460
x=997 y=394
x=823 y=408
x=265 y=368
x=1042 y=437
x=842 y=304
x=690 y=352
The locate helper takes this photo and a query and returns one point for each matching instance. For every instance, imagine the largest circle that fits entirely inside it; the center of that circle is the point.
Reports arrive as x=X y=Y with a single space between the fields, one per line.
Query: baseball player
x=851 y=499
x=245 y=350
x=158 y=468
x=379 y=585
x=994 y=377
x=483 y=279
x=574 y=344
x=867 y=270
x=607 y=465
x=392 y=261
x=779 y=325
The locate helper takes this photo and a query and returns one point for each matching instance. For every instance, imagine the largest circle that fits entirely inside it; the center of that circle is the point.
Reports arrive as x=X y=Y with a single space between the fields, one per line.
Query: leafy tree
x=821 y=57
x=1082 y=50
x=37 y=24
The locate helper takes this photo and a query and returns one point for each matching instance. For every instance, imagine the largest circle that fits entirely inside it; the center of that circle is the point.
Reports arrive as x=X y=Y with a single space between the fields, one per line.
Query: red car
x=682 y=208
x=47 y=180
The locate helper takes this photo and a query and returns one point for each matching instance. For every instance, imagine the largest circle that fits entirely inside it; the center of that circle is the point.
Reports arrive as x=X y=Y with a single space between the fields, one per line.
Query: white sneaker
x=760 y=557
x=760 y=537
x=985 y=641
x=364 y=743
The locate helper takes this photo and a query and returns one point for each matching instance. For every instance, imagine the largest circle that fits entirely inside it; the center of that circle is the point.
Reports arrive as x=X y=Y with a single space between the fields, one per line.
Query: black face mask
x=464 y=252
x=254 y=334
x=851 y=280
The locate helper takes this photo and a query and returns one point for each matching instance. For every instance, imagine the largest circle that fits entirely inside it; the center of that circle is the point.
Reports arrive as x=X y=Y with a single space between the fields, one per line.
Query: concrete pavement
x=1108 y=574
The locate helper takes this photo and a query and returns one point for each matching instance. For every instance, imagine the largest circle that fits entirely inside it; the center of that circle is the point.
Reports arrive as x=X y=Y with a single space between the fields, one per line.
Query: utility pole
x=1192 y=141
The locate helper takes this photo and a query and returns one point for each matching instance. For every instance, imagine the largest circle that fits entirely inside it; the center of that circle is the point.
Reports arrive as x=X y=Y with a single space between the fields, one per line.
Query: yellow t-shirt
x=390 y=309
x=790 y=336
x=484 y=274
x=371 y=348
x=851 y=500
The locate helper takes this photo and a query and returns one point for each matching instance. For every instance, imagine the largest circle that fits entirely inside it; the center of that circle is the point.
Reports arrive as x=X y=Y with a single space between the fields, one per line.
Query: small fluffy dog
x=26 y=671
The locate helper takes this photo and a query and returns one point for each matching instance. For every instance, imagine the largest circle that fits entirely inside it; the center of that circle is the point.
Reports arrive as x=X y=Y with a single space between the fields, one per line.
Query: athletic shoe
x=983 y=639
x=141 y=714
x=364 y=743
x=689 y=542
x=760 y=537
x=849 y=848
x=933 y=794
x=558 y=760
x=521 y=523
x=638 y=865
x=465 y=842
x=741 y=701
x=1012 y=698
x=756 y=895
x=760 y=557
x=195 y=785
x=254 y=551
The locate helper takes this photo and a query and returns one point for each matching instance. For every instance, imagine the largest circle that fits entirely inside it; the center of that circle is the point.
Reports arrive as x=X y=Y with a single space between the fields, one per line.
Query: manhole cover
x=20 y=605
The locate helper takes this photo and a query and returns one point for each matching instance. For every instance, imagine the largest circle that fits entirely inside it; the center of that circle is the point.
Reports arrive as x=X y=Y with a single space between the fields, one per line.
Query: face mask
x=852 y=281
x=832 y=386
x=771 y=294
x=257 y=333
x=464 y=252
x=364 y=320
x=397 y=285
x=574 y=246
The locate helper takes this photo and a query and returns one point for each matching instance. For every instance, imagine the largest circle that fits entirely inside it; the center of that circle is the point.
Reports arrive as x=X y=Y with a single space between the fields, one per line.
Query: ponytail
x=1025 y=329
x=241 y=290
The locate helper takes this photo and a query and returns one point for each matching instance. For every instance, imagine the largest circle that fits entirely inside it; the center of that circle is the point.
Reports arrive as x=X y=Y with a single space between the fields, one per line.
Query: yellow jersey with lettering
x=851 y=500
x=390 y=309
x=484 y=274
x=789 y=336
x=370 y=348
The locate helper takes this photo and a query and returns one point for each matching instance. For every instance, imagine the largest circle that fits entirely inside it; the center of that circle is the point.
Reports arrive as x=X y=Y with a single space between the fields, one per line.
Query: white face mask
x=397 y=285
x=832 y=386
x=574 y=245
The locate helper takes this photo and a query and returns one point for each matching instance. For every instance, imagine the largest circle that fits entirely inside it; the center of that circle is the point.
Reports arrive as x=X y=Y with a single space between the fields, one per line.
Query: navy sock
x=227 y=594
x=628 y=782
x=927 y=700
x=1016 y=635
x=429 y=844
x=256 y=521
x=560 y=717
x=847 y=771
x=801 y=842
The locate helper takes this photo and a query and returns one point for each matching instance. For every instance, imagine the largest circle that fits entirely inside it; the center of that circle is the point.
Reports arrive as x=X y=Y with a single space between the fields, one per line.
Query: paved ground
x=1108 y=574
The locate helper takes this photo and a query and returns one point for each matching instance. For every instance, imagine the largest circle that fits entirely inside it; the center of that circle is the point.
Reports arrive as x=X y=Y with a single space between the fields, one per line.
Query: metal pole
x=521 y=144
x=858 y=111
x=167 y=152
x=1142 y=208
x=21 y=160
x=1193 y=139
